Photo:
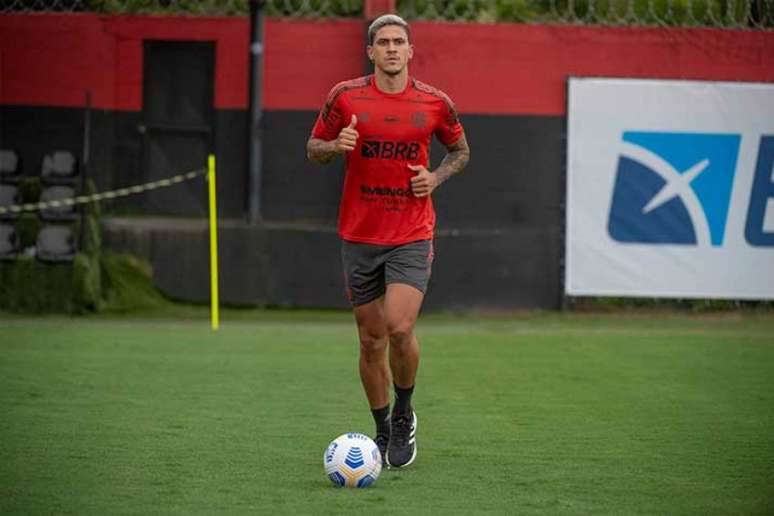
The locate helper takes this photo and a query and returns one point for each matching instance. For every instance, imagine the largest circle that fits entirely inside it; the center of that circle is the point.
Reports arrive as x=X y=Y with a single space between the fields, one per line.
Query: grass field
x=543 y=413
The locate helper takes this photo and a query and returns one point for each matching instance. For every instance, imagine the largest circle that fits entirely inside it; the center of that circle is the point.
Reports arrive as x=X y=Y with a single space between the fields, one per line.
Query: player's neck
x=391 y=83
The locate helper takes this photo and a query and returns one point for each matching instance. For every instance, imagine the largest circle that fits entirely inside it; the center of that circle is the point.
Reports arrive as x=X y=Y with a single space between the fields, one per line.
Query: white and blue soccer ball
x=352 y=460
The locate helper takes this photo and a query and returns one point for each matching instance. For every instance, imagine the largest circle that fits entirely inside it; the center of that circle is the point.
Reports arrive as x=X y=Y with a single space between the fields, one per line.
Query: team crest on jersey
x=419 y=119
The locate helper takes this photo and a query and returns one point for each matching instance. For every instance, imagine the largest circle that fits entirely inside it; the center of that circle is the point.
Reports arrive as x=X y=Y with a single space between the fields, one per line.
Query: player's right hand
x=347 y=138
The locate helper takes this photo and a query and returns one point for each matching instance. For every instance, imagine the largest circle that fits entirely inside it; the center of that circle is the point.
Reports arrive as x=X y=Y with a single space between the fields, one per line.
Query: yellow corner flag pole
x=213 y=243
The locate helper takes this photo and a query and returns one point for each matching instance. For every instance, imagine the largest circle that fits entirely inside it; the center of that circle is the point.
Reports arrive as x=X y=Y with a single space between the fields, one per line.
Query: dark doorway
x=177 y=122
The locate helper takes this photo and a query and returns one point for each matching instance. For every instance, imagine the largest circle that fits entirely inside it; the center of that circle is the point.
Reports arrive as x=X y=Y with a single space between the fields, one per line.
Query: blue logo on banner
x=673 y=188
x=762 y=196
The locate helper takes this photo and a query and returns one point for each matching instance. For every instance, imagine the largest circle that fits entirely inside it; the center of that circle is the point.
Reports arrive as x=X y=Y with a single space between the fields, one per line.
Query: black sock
x=382 y=420
x=403 y=400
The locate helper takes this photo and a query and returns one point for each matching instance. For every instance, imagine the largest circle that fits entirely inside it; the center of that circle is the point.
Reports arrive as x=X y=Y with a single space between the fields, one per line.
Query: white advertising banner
x=670 y=189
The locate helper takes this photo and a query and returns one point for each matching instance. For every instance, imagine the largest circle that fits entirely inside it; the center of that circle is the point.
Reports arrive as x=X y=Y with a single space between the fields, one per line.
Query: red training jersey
x=377 y=205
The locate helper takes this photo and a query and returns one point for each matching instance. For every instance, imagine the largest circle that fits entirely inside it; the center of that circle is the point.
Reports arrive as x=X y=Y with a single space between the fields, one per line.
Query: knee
x=372 y=343
x=401 y=334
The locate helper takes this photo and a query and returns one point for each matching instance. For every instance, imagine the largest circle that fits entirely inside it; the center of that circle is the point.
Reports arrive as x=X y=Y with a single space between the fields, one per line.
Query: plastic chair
x=63 y=212
x=9 y=242
x=56 y=244
x=10 y=167
x=9 y=194
x=59 y=168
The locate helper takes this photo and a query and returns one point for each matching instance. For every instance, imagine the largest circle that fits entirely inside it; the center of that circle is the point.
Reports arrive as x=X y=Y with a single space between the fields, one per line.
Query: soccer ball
x=352 y=460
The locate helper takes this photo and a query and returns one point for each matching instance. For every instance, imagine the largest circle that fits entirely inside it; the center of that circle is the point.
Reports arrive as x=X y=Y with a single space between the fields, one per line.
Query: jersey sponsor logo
x=673 y=188
x=389 y=150
x=385 y=191
x=391 y=119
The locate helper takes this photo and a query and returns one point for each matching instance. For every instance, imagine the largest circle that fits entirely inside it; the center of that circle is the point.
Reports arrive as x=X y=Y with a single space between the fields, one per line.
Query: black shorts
x=369 y=268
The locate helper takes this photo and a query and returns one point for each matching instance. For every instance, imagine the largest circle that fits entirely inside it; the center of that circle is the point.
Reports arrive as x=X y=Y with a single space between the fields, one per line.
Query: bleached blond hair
x=385 y=20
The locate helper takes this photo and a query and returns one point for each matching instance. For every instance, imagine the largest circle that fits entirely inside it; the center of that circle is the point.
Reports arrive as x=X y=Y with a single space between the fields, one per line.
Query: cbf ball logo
x=673 y=188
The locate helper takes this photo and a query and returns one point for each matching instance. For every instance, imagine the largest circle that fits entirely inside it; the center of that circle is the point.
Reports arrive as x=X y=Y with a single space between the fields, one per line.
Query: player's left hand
x=424 y=182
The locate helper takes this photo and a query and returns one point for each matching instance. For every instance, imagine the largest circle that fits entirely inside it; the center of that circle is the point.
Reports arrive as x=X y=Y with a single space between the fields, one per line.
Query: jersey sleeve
x=331 y=119
x=449 y=128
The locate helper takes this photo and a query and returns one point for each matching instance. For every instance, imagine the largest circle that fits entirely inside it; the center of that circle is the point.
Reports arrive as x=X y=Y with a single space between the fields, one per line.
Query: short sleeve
x=449 y=128
x=331 y=119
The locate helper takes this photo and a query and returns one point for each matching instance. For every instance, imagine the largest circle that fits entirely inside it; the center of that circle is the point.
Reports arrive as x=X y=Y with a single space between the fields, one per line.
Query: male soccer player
x=383 y=123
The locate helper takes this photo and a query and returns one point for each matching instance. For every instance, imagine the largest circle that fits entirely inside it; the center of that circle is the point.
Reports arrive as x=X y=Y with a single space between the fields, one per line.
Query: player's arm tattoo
x=319 y=151
x=456 y=159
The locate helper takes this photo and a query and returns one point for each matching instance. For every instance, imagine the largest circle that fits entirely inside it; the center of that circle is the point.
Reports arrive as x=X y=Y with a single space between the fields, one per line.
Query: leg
x=364 y=277
x=407 y=272
x=372 y=330
x=402 y=304
x=374 y=373
x=401 y=307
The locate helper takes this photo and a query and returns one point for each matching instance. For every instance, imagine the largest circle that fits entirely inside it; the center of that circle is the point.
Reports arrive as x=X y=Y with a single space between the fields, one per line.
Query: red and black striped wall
x=508 y=81
x=497 y=69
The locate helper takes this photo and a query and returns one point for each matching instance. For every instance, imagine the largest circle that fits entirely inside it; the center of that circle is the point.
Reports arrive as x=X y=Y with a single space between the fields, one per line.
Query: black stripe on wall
x=514 y=179
x=498 y=243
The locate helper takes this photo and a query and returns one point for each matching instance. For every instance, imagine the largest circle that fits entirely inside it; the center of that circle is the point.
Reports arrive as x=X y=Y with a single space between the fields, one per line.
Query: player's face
x=391 y=50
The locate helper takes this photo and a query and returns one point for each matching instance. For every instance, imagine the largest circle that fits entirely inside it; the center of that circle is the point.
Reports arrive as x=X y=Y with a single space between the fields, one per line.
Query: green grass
x=536 y=414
